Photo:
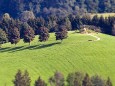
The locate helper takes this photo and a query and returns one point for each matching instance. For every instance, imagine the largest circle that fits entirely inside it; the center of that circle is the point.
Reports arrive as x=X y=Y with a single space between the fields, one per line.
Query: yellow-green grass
x=103 y=14
x=75 y=54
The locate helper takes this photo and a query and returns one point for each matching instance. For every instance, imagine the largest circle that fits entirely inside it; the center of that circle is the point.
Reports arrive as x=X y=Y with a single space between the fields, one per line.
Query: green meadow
x=75 y=53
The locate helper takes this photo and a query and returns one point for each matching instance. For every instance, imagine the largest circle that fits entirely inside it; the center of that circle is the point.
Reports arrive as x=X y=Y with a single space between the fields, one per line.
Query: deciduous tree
x=28 y=34
x=3 y=37
x=14 y=35
x=61 y=33
x=43 y=34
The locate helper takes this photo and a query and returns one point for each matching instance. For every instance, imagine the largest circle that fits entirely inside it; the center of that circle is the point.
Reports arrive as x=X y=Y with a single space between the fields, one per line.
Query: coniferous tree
x=108 y=82
x=28 y=34
x=95 y=20
x=43 y=34
x=14 y=35
x=26 y=79
x=22 y=79
x=57 y=79
x=97 y=81
x=18 y=79
x=3 y=37
x=61 y=33
x=113 y=29
x=40 y=82
x=75 y=79
x=87 y=81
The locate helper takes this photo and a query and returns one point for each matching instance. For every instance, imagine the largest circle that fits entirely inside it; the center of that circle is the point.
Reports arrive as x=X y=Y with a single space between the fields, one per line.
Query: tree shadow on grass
x=45 y=46
x=21 y=48
x=10 y=49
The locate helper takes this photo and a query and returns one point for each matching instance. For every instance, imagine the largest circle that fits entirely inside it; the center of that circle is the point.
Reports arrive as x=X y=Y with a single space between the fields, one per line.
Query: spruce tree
x=26 y=79
x=18 y=79
x=14 y=35
x=57 y=79
x=40 y=82
x=28 y=34
x=87 y=81
x=22 y=79
x=108 y=82
x=75 y=79
x=3 y=37
x=43 y=34
x=61 y=33
x=97 y=81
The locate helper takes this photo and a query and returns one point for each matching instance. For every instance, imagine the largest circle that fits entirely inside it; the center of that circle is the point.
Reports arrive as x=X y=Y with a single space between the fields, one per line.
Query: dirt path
x=97 y=38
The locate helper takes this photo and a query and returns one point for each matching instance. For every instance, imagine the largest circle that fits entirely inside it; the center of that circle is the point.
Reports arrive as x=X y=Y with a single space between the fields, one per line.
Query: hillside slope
x=75 y=54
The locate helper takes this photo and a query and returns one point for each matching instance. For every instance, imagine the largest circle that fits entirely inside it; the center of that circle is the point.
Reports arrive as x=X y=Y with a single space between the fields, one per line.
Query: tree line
x=58 y=79
x=58 y=8
x=12 y=30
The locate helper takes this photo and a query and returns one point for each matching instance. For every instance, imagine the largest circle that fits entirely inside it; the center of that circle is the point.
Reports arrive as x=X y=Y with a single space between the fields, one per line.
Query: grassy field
x=75 y=54
x=103 y=14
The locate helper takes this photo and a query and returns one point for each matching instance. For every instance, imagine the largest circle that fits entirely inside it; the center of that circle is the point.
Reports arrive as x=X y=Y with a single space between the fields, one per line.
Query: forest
x=55 y=7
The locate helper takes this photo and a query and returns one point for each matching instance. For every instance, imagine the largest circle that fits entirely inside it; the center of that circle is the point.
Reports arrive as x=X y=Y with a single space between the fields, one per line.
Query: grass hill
x=75 y=54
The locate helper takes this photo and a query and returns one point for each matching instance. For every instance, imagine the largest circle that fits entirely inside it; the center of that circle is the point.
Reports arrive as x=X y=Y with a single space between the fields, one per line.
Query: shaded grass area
x=33 y=47
x=74 y=54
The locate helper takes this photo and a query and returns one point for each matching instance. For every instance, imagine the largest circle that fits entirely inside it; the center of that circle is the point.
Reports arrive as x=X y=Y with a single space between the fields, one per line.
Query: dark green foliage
x=40 y=82
x=5 y=24
x=113 y=29
x=3 y=37
x=43 y=34
x=95 y=20
x=97 y=81
x=22 y=79
x=61 y=33
x=87 y=81
x=108 y=82
x=14 y=35
x=75 y=79
x=65 y=22
x=36 y=23
x=57 y=79
x=28 y=34
x=60 y=8
x=76 y=22
x=86 y=19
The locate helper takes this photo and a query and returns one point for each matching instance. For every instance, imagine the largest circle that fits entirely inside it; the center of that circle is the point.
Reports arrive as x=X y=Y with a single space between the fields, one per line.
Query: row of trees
x=73 y=79
x=13 y=35
x=71 y=22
